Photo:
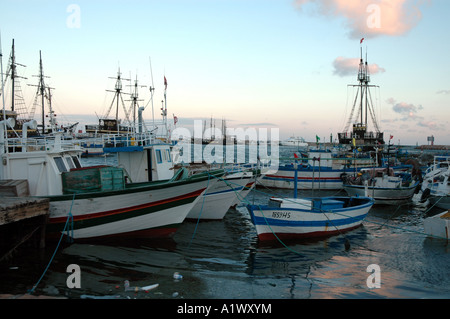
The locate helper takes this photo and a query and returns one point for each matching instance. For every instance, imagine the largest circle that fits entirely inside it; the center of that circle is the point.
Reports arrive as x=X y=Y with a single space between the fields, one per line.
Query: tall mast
x=135 y=100
x=15 y=86
x=118 y=95
x=361 y=79
x=41 y=91
x=42 y=88
x=13 y=74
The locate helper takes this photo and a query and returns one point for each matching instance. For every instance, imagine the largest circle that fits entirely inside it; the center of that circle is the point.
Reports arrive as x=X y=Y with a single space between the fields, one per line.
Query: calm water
x=223 y=259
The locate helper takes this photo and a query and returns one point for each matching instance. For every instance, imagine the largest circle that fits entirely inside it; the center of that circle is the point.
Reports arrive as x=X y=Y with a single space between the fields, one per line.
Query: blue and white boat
x=306 y=218
x=290 y=218
x=319 y=169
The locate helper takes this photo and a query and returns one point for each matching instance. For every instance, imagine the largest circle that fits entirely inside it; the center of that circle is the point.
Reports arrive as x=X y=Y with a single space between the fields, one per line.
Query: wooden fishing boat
x=382 y=185
x=290 y=218
x=98 y=202
x=218 y=198
x=438 y=225
x=309 y=217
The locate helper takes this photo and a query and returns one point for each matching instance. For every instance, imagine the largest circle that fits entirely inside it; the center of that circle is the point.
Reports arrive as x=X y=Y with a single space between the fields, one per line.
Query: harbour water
x=224 y=260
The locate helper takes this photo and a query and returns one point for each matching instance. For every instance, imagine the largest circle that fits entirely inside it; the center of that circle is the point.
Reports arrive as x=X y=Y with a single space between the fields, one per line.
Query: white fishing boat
x=439 y=190
x=438 y=225
x=296 y=141
x=228 y=190
x=382 y=185
x=145 y=162
x=97 y=202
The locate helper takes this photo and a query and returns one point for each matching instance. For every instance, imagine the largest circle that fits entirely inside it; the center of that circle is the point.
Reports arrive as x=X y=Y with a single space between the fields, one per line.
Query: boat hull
x=291 y=223
x=153 y=211
x=218 y=198
x=306 y=178
x=440 y=201
x=382 y=195
x=438 y=225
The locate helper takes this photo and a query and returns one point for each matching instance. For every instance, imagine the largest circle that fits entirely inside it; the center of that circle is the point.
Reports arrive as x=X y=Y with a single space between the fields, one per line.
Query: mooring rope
x=201 y=210
x=69 y=219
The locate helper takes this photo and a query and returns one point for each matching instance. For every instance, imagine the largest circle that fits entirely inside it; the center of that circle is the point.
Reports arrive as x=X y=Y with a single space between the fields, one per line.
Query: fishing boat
x=290 y=218
x=318 y=169
x=382 y=185
x=309 y=217
x=145 y=161
x=438 y=225
x=218 y=198
x=296 y=141
x=98 y=201
x=439 y=190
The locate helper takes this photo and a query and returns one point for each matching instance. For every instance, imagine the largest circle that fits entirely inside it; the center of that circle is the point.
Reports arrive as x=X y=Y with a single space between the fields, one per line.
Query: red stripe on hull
x=124 y=210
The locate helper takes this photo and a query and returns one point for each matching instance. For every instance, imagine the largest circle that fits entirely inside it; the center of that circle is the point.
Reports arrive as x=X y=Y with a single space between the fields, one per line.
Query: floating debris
x=136 y=289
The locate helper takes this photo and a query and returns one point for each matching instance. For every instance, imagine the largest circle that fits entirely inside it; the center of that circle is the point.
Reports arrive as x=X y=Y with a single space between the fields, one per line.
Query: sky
x=274 y=64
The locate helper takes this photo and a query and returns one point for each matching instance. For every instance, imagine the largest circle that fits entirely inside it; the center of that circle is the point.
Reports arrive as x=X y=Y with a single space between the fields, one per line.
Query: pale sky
x=256 y=63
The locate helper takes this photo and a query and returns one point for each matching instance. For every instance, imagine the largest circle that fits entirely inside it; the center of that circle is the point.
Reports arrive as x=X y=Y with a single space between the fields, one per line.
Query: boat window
x=168 y=156
x=76 y=161
x=158 y=156
x=60 y=164
x=70 y=162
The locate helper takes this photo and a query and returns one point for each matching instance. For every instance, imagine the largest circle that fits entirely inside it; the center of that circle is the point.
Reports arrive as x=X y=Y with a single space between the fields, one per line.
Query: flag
x=165 y=82
x=317 y=139
x=392 y=136
x=361 y=41
x=175 y=119
x=295 y=155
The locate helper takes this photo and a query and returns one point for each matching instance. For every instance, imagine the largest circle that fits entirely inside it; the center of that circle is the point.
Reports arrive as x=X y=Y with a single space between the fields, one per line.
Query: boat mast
x=15 y=86
x=363 y=87
x=40 y=91
x=118 y=95
x=135 y=100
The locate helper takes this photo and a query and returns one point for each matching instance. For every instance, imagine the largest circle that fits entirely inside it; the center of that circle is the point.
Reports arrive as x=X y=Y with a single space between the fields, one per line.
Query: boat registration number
x=285 y=215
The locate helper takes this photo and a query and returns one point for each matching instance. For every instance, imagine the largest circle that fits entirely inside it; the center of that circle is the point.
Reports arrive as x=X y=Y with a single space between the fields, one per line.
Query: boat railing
x=129 y=140
x=34 y=144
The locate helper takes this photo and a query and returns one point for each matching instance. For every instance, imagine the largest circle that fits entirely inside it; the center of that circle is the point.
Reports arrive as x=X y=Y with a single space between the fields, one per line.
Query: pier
x=22 y=218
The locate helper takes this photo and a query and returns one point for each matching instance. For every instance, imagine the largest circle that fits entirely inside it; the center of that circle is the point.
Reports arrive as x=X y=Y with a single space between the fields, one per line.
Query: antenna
x=152 y=89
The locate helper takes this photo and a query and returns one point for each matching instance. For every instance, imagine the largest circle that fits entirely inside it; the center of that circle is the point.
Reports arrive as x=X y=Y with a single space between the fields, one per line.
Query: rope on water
x=201 y=210
x=69 y=219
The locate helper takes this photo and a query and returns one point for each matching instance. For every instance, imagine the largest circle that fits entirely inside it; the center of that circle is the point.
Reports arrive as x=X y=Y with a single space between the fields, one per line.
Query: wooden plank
x=14 y=187
x=14 y=209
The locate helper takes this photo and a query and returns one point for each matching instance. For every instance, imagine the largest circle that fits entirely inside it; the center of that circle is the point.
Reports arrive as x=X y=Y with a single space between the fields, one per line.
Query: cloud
x=429 y=124
x=405 y=108
x=371 y=18
x=349 y=66
x=443 y=92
